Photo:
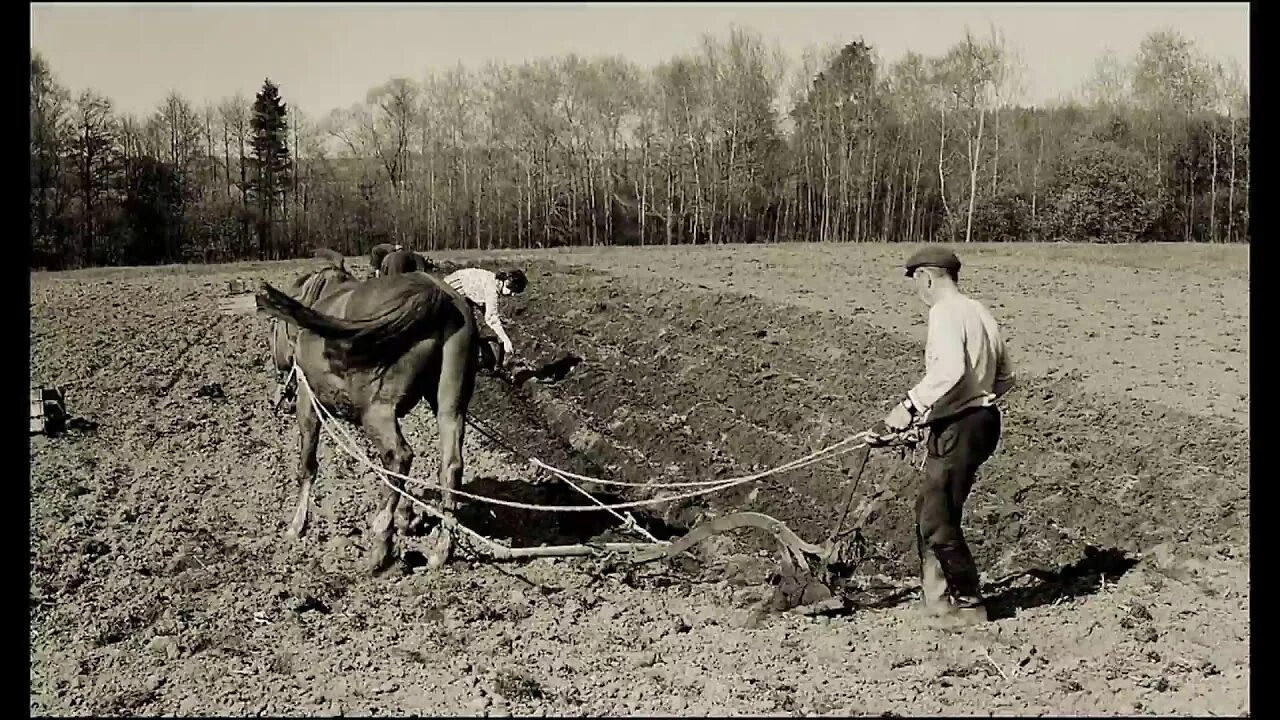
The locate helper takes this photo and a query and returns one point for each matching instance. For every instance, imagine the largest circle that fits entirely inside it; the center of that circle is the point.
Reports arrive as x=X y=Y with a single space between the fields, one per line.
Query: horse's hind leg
x=453 y=395
x=309 y=437
x=410 y=519
x=383 y=428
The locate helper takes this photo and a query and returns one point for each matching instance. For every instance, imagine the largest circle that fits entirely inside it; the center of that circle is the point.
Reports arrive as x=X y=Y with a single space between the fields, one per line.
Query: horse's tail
x=416 y=305
x=280 y=306
x=332 y=256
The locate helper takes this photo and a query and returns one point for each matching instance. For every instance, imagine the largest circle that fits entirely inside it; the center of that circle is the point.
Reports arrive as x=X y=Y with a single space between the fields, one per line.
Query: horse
x=307 y=289
x=370 y=351
x=399 y=262
x=377 y=253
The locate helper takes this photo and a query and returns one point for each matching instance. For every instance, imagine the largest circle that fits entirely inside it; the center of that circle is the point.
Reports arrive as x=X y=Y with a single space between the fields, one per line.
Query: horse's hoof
x=440 y=555
x=379 y=560
x=297 y=529
x=440 y=548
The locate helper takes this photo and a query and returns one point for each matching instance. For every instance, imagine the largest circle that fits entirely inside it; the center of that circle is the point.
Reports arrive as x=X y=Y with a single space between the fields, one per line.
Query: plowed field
x=161 y=581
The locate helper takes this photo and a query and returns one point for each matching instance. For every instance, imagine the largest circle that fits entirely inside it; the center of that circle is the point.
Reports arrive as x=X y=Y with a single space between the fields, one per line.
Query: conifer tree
x=269 y=161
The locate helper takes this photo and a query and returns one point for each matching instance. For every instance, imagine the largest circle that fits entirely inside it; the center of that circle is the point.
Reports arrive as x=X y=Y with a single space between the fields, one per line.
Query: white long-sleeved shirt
x=966 y=364
x=480 y=287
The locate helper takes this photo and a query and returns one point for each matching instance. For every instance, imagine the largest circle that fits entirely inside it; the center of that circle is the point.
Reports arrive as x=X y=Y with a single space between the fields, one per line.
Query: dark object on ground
x=82 y=426
x=310 y=603
x=49 y=415
x=551 y=372
x=48 y=412
x=212 y=390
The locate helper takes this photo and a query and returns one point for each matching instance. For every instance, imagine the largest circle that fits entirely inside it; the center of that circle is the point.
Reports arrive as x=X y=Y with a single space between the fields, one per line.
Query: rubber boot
x=941 y=609
x=933 y=585
x=958 y=616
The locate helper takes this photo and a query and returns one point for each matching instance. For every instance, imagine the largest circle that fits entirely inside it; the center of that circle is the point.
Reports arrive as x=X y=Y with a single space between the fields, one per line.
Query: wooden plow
x=808 y=576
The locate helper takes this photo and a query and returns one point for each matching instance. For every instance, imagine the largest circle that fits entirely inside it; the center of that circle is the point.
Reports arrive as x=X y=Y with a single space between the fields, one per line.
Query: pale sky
x=326 y=56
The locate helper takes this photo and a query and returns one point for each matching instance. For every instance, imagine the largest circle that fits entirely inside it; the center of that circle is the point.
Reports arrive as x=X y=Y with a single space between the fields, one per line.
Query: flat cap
x=933 y=256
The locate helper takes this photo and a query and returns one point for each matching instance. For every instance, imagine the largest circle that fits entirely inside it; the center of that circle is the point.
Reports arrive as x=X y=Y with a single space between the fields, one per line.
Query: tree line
x=729 y=142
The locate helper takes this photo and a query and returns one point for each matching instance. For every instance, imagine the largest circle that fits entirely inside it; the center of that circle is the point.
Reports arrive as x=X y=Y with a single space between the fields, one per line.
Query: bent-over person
x=482 y=288
x=967 y=369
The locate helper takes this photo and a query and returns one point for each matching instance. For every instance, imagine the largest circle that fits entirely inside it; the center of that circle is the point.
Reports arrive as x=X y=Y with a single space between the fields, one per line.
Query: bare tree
x=972 y=67
x=724 y=143
x=1235 y=100
x=234 y=113
x=93 y=145
x=1108 y=85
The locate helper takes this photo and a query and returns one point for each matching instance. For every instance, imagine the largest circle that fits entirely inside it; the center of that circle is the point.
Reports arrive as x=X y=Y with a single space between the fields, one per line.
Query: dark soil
x=161 y=581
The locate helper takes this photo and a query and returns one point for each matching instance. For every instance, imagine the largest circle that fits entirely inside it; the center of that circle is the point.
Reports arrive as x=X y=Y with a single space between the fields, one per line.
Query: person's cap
x=933 y=256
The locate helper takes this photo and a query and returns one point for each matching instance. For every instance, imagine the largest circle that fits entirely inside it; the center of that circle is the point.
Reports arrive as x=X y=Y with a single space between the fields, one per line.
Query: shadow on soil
x=551 y=372
x=1081 y=578
x=528 y=528
x=546 y=374
x=71 y=426
x=1078 y=579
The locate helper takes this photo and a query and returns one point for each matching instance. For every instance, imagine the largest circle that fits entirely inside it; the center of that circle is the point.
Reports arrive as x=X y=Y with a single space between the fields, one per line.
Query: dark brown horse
x=306 y=289
x=369 y=352
x=399 y=262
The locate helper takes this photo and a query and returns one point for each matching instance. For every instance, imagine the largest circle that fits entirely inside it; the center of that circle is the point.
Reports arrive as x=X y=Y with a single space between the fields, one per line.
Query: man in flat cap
x=966 y=371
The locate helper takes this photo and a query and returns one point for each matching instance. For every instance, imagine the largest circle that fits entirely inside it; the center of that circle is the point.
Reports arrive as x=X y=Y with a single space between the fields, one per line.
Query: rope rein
x=566 y=475
x=351 y=447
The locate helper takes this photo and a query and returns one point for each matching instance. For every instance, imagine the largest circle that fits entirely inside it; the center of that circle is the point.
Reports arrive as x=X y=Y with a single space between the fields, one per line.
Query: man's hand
x=899 y=418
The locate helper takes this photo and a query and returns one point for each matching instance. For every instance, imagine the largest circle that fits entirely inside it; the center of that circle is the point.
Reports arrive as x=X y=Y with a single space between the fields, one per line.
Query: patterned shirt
x=480 y=288
x=966 y=364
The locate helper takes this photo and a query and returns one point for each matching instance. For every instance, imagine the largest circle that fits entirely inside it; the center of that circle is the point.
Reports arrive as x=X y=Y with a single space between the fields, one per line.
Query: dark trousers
x=957 y=447
x=492 y=353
